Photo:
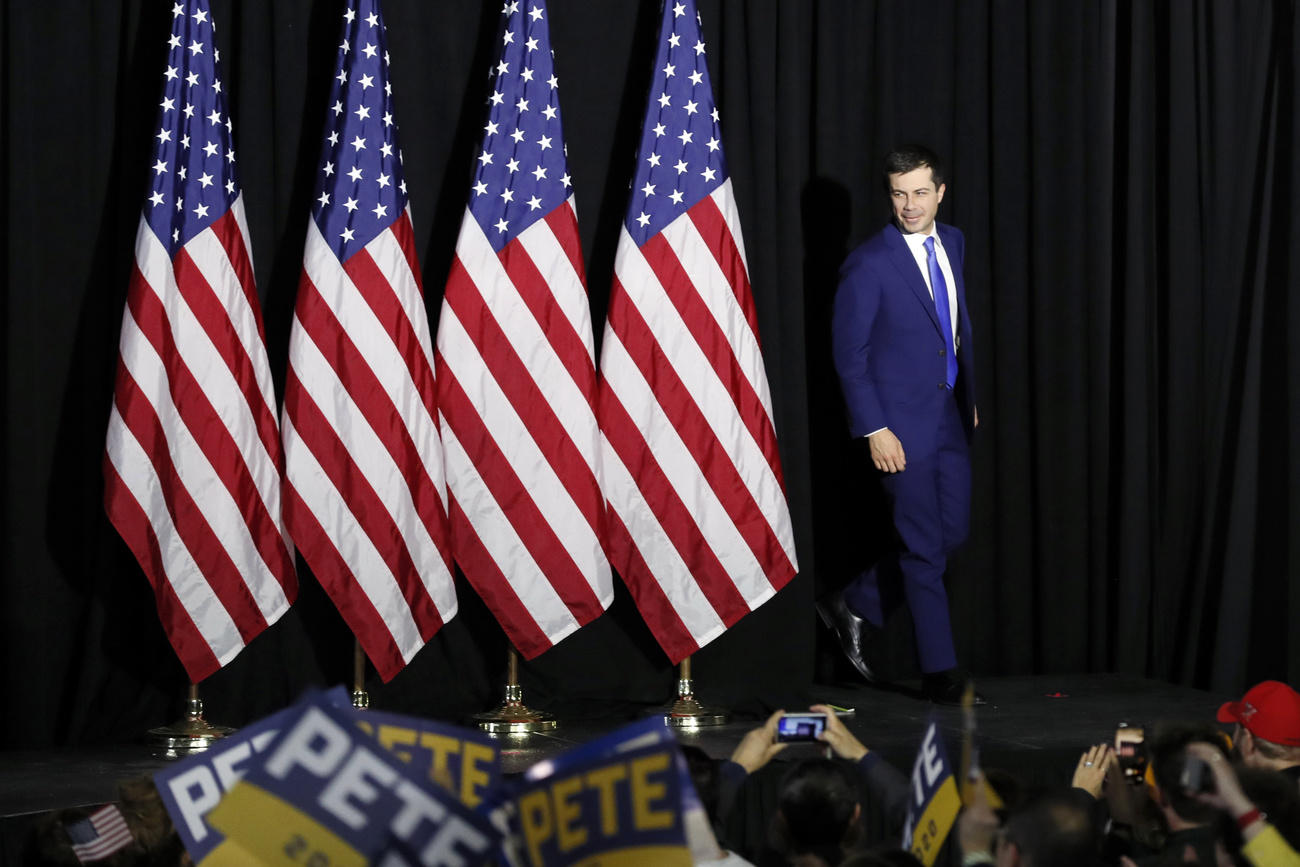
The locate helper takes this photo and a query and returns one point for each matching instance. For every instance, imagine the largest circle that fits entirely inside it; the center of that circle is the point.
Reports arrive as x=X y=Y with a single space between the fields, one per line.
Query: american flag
x=698 y=522
x=516 y=369
x=99 y=835
x=192 y=463
x=365 y=497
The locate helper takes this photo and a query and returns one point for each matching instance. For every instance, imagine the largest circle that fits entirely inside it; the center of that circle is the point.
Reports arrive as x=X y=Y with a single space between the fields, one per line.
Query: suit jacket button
x=943 y=385
x=942 y=353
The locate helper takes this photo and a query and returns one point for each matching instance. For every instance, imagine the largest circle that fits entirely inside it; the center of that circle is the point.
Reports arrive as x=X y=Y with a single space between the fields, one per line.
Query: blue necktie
x=940 y=287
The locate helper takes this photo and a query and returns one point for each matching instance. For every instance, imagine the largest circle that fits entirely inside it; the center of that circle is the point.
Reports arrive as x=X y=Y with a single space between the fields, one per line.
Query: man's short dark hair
x=1055 y=829
x=815 y=810
x=1168 y=756
x=909 y=157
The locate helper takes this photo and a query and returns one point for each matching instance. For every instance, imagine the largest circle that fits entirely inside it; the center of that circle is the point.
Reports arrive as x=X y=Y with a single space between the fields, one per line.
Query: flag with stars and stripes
x=365 y=498
x=99 y=835
x=697 y=516
x=192 y=460
x=516 y=368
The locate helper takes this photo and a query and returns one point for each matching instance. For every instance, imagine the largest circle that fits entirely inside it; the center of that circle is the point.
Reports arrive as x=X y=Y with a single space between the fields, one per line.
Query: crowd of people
x=1181 y=793
x=1191 y=792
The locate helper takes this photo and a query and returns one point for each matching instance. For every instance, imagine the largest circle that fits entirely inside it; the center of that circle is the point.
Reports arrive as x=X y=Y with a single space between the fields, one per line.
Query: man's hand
x=838 y=737
x=887 y=451
x=1227 y=794
x=978 y=825
x=758 y=745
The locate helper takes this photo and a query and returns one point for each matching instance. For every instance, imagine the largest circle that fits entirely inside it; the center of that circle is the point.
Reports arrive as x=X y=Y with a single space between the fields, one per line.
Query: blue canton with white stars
x=681 y=160
x=521 y=174
x=193 y=181
x=360 y=172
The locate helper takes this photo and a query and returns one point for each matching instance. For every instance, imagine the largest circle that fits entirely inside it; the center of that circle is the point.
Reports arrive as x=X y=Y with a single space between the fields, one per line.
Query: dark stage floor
x=1035 y=727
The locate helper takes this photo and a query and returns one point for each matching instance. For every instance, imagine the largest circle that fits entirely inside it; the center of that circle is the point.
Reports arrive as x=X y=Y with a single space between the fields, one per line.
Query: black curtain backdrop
x=1125 y=174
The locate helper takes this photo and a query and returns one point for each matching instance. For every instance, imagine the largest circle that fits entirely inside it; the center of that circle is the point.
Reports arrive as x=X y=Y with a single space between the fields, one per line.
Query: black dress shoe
x=851 y=630
x=947 y=687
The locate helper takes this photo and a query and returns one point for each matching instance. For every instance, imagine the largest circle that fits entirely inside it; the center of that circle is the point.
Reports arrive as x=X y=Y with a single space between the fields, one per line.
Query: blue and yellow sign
x=935 y=801
x=465 y=763
x=324 y=792
x=604 y=806
x=191 y=788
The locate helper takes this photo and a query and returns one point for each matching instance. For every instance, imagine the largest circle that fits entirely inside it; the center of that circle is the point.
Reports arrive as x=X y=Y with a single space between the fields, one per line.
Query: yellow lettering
x=442 y=748
x=395 y=736
x=473 y=777
x=536 y=821
x=567 y=811
x=604 y=779
x=644 y=792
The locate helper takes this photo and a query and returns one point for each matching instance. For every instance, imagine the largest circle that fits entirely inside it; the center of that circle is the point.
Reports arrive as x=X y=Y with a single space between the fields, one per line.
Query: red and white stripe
x=365 y=495
x=516 y=393
x=698 y=522
x=192 y=463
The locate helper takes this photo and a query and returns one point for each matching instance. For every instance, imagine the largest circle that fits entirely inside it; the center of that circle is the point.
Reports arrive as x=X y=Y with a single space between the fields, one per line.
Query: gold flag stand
x=190 y=734
x=360 y=698
x=512 y=716
x=687 y=713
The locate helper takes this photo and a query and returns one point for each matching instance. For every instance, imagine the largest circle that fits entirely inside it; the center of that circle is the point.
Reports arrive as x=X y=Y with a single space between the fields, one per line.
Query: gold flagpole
x=189 y=734
x=512 y=716
x=687 y=713
x=360 y=698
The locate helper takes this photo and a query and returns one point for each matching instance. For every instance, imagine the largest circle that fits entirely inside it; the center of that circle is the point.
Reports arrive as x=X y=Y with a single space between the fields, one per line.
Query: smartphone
x=800 y=727
x=1196 y=776
x=1131 y=750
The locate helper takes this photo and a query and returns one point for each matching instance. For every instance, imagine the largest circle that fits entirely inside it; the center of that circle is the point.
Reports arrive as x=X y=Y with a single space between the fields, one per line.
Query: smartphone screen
x=800 y=727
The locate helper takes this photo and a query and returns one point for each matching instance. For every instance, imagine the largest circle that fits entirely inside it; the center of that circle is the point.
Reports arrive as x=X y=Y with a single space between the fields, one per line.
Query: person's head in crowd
x=818 y=815
x=1054 y=829
x=1167 y=749
x=1266 y=725
x=704 y=776
x=153 y=843
x=880 y=857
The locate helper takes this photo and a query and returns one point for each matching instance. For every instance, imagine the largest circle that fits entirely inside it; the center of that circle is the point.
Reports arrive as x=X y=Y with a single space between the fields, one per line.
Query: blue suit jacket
x=887 y=345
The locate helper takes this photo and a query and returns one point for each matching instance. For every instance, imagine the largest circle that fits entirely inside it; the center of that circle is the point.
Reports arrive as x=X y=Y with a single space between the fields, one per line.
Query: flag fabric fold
x=365 y=496
x=192 y=459
x=516 y=368
x=698 y=524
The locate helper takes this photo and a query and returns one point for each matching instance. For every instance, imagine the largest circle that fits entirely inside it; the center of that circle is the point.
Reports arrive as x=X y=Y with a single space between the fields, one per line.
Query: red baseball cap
x=1269 y=710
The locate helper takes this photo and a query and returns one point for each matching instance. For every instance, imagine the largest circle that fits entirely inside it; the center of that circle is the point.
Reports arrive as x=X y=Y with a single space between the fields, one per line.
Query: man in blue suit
x=903 y=351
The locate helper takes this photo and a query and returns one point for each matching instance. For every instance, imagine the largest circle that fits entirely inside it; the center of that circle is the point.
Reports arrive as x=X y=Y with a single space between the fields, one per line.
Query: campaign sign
x=935 y=801
x=326 y=793
x=642 y=733
x=646 y=732
x=611 y=809
x=465 y=763
x=190 y=788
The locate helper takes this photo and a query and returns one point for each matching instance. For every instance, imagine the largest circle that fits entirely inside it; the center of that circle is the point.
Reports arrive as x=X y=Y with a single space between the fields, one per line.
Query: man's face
x=916 y=200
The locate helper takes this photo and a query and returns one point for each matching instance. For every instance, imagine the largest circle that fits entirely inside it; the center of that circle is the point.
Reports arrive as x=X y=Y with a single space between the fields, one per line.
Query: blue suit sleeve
x=857 y=301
